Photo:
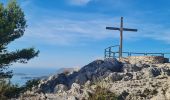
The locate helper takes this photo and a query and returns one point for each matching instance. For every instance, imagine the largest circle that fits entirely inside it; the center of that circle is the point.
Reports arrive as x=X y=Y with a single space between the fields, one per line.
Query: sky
x=71 y=33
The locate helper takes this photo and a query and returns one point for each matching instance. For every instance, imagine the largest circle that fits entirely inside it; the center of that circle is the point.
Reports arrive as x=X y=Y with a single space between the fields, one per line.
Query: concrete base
x=145 y=59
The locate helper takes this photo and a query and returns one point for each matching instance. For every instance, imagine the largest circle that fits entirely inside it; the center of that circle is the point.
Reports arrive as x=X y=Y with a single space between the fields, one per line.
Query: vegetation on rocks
x=30 y=84
x=8 y=90
x=102 y=94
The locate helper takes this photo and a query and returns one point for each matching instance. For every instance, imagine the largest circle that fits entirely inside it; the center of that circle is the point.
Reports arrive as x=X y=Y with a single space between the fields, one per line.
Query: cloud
x=79 y=2
x=25 y=3
x=68 y=31
x=46 y=28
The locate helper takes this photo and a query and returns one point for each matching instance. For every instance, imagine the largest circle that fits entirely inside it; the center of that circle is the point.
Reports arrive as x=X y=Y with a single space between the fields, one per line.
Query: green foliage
x=12 y=27
x=30 y=84
x=8 y=90
x=12 y=22
x=103 y=94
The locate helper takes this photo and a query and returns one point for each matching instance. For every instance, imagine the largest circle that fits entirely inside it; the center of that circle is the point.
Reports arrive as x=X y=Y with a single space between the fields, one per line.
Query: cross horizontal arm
x=124 y=29
x=127 y=29
x=112 y=28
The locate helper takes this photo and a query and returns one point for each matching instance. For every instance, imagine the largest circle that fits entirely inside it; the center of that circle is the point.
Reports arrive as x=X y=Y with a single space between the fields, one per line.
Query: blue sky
x=71 y=33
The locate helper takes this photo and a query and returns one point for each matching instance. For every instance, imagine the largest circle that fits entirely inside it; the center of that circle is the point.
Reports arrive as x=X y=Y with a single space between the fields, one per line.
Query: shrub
x=8 y=90
x=102 y=94
x=66 y=72
x=30 y=84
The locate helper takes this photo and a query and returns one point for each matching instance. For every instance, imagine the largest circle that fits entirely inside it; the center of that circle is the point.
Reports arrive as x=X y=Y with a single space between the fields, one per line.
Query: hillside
x=130 y=79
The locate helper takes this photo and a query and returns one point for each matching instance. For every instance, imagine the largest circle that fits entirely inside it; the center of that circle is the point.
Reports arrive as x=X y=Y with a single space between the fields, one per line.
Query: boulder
x=95 y=71
x=72 y=98
x=115 y=77
x=132 y=68
x=49 y=84
x=60 y=88
x=98 y=70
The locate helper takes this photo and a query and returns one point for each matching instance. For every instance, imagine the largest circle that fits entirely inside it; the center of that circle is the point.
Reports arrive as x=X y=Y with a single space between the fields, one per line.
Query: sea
x=22 y=74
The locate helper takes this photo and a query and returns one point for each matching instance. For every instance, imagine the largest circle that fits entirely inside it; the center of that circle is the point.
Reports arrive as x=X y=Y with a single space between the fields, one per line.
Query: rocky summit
x=129 y=79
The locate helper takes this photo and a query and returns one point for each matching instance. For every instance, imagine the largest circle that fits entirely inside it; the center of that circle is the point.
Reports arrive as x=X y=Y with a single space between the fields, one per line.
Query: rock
x=115 y=77
x=49 y=85
x=87 y=84
x=147 y=59
x=97 y=70
x=145 y=80
x=42 y=96
x=60 y=88
x=138 y=75
x=127 y=77
x=72 y=98
x=167 y=94
x=75 y=89
x=131 y=68
x=152 y=72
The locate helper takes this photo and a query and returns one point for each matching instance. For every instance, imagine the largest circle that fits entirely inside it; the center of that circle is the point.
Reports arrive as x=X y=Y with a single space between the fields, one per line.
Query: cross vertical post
x=121 y=38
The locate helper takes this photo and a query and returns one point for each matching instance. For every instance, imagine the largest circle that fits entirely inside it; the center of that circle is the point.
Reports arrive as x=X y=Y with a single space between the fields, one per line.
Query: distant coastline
x=23 y=74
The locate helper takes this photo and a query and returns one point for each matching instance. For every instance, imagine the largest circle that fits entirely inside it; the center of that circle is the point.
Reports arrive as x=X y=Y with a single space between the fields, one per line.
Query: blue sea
x=21 y=74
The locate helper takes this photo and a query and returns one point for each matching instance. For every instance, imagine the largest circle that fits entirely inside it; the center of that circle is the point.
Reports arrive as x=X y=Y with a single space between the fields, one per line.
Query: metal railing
x=110 y=53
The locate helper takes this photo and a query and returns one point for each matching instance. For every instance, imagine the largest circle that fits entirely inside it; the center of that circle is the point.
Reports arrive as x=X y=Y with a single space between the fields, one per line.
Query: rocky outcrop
x=129 y=81
x=95 y=71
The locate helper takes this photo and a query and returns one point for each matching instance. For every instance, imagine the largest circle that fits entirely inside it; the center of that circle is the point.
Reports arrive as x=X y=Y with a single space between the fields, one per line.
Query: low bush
x=30 y=84
x=103 y=94
x=7 y=90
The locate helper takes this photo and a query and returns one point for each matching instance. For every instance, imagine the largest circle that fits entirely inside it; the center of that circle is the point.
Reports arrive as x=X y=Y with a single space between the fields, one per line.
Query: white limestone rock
x=140 y=81
x=60 y=88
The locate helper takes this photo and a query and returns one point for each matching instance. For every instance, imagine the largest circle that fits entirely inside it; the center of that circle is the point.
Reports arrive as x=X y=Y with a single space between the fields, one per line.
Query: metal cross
x=121 y=29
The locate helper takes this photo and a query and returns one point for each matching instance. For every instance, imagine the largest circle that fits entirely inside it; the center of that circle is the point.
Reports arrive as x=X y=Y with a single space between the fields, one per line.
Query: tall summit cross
x=121 y=29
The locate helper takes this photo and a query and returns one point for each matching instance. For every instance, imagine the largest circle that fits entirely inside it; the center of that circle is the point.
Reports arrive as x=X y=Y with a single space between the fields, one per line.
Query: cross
x=121 y=29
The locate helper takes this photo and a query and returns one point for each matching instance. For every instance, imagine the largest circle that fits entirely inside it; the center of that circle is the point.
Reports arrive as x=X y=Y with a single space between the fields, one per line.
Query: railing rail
x=109 y=53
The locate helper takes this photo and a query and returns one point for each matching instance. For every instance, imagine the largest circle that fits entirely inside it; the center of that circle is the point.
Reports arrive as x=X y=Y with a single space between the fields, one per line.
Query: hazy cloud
x=69 y=31
x=65 y=30
x=79 y=2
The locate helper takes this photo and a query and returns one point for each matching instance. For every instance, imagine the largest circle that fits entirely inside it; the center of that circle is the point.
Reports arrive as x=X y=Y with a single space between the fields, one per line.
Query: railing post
x=109 y=52
x=104 y=53
x=114 y=56
x=162 y=54
x=119 y=53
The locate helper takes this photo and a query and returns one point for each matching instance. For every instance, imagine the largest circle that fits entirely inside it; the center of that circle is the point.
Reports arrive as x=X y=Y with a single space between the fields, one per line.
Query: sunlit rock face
x=142 y=80
x=97 y=70
x=94 y=71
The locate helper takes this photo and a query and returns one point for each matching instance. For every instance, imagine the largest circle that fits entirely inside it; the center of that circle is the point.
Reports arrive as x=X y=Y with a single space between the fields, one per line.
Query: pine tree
x=12 y=27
